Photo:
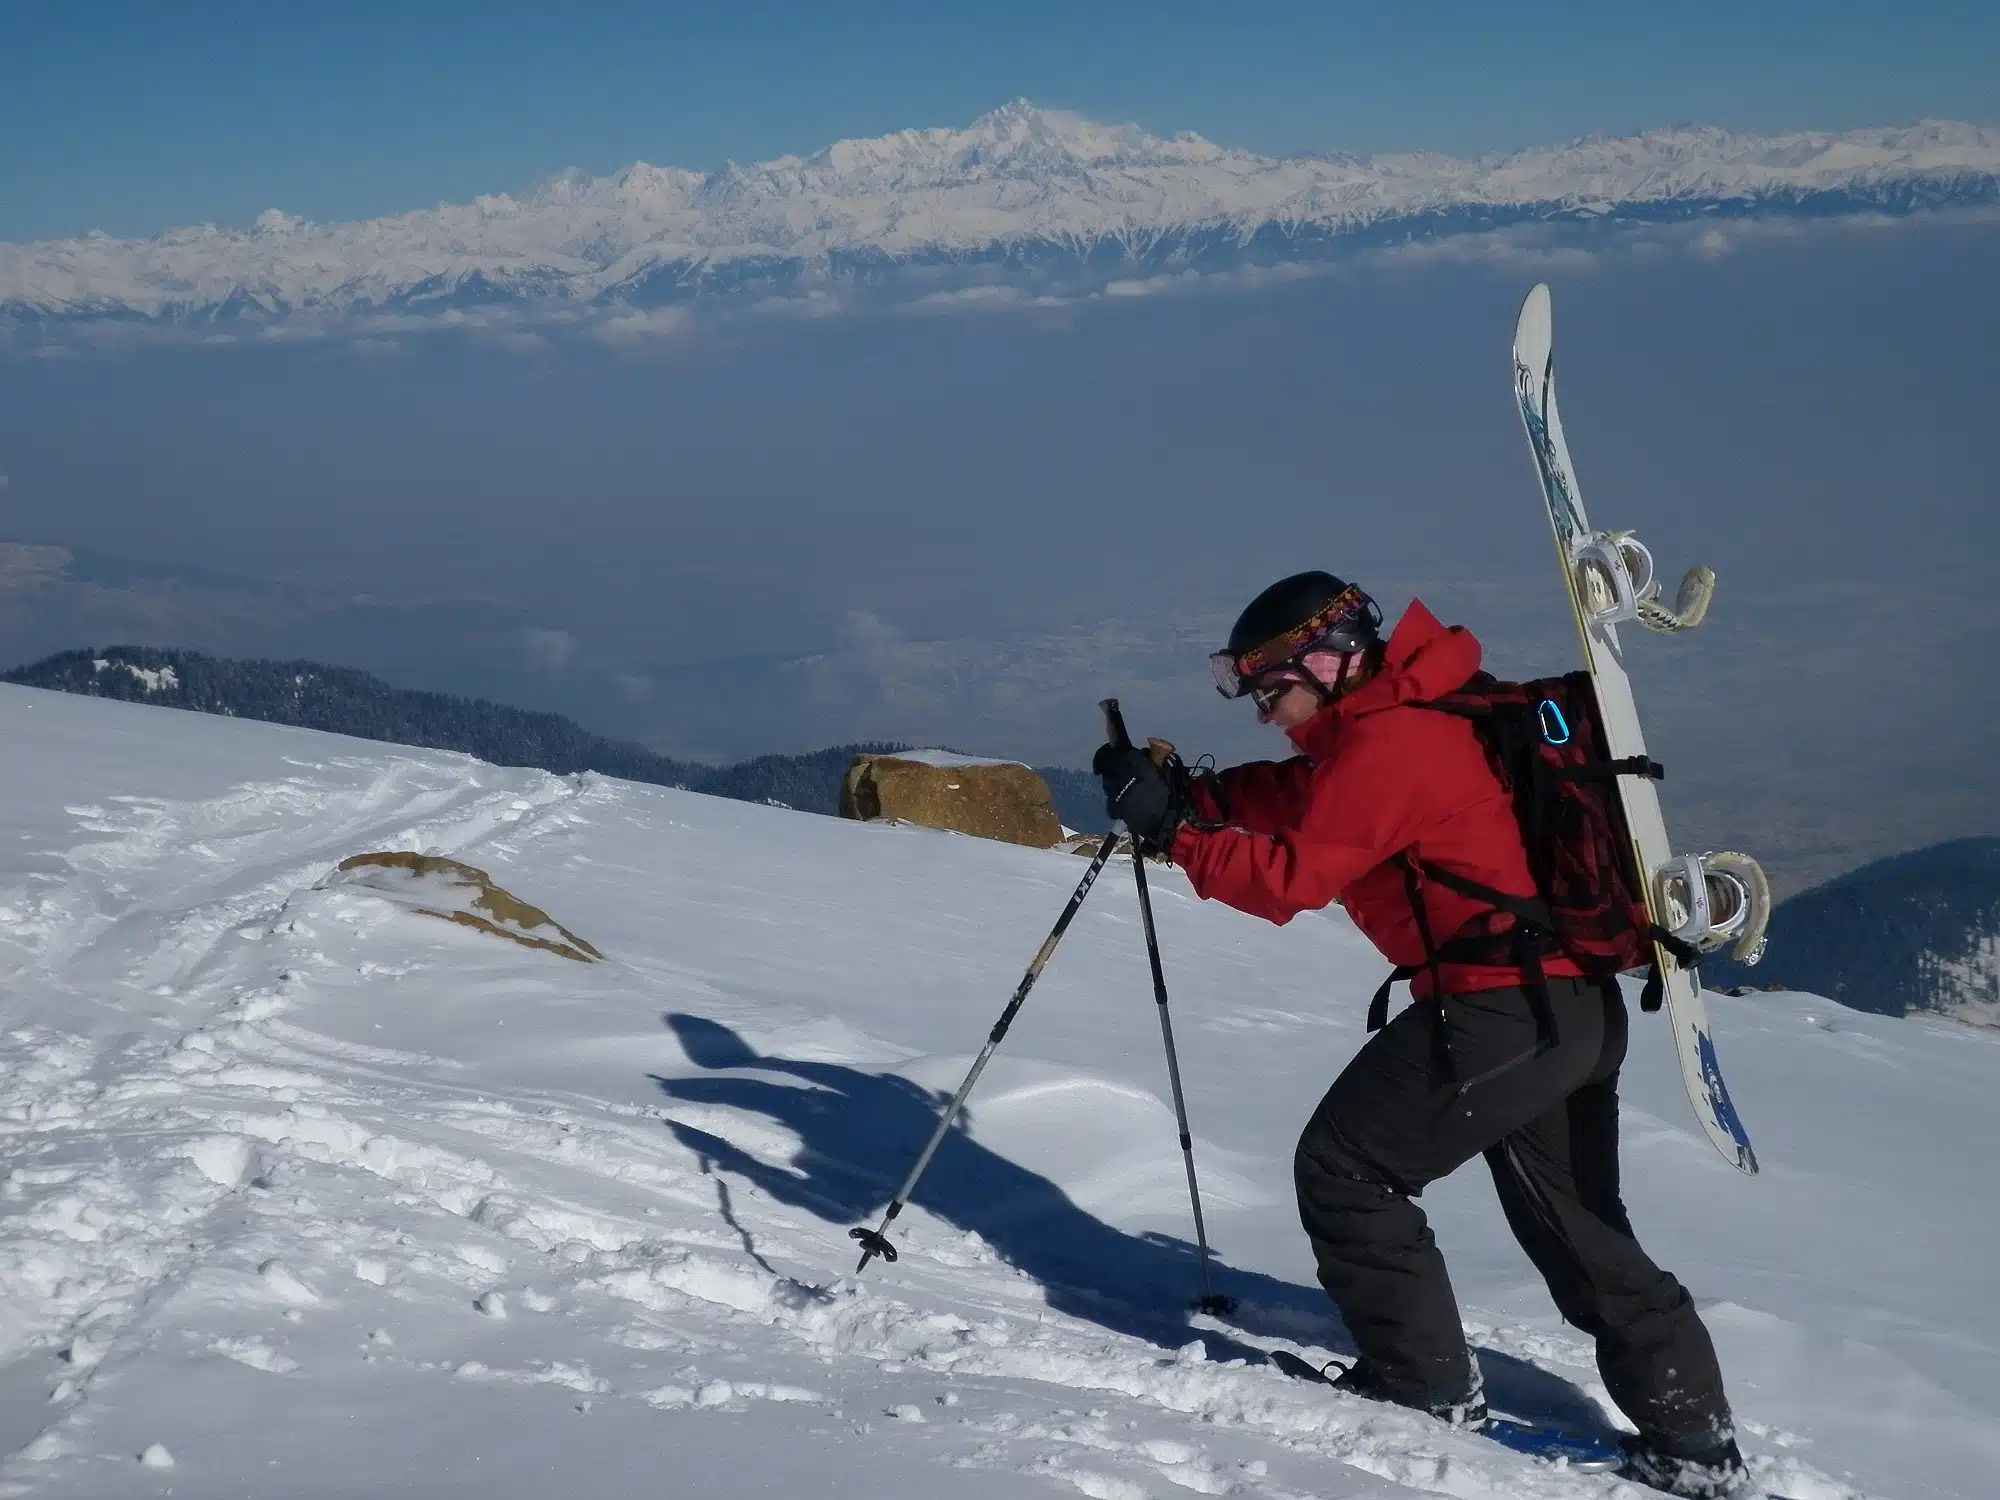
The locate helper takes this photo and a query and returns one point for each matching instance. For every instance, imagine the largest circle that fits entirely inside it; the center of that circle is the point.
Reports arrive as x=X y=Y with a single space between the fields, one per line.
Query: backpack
x=1545 y=742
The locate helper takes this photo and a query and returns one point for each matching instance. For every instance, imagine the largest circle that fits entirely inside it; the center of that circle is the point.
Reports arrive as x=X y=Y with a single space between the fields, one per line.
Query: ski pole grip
x=1114 y=724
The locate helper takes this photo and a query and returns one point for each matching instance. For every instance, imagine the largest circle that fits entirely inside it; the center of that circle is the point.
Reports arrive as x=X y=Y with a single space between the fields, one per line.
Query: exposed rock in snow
x=438 y=887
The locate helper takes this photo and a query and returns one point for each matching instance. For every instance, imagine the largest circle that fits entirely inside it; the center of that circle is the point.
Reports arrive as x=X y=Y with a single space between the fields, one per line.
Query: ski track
x=221 y=1162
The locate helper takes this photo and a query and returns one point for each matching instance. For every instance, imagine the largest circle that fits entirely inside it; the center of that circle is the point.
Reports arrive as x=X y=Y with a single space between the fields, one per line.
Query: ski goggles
x=1346 y=622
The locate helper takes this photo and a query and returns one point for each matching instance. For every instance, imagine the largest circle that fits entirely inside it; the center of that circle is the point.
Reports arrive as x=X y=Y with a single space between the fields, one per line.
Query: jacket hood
x=1422 y=660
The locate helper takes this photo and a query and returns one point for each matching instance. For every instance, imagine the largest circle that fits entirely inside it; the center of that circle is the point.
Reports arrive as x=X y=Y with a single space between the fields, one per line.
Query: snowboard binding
x=1616 y=579
x=1716 y=900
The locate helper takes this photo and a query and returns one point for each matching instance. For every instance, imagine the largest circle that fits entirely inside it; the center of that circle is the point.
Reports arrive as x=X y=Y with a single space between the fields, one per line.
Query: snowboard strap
x=1685 y=954
x=1607 y=770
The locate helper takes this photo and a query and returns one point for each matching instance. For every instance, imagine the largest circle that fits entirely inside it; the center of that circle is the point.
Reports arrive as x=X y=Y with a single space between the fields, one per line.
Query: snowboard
x=1609 y=579
x=1581 y=1451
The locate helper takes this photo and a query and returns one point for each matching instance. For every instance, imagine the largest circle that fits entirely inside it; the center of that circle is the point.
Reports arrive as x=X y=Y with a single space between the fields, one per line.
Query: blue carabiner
x=1555 y=728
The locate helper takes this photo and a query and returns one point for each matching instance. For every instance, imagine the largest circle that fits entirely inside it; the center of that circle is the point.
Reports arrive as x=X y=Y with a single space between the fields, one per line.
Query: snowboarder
x=1484 y=1062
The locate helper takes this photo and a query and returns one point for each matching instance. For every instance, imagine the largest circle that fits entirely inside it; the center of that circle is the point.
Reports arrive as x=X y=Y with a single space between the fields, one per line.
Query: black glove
x=1148 y=797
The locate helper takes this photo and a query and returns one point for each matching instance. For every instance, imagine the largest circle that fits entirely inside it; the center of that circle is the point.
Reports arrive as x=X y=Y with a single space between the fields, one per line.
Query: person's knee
x=1323 y=1150
x=1656 y=1312
x=1333 y=1176
x=1635 y=1310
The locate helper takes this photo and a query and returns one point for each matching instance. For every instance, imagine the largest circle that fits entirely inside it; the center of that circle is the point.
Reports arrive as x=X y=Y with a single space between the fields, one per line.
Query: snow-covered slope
x=1021 y=198
x=307 y=1194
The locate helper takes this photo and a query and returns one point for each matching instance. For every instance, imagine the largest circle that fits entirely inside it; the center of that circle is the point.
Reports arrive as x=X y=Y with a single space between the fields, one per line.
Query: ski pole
x=1115 y=731
x=875 y=1241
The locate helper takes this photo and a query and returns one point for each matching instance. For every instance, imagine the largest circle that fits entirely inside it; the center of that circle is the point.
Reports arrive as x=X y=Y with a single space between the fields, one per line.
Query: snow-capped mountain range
x=1023 y=200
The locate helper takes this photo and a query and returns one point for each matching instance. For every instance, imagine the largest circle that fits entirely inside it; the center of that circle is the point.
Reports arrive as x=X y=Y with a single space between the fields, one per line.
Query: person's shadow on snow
x=858 y=1132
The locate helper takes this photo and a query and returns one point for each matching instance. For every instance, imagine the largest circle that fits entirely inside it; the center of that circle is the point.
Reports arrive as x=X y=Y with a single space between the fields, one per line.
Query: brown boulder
x=991 y=799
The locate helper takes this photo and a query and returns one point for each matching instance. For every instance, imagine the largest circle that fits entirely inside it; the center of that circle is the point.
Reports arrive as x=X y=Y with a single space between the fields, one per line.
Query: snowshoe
x=1710 y=1472
x=1361 y=1379
x=1582 y=1452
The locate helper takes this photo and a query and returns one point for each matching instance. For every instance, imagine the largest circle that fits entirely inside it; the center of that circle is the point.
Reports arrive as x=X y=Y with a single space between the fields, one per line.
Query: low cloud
x=549 y=650
x=870 y=661
x=986 y=295
x=640 y=327
x=883 y=651
x=1525 y=247
x=518 y=340
x=636 y=687
x=1713 y=245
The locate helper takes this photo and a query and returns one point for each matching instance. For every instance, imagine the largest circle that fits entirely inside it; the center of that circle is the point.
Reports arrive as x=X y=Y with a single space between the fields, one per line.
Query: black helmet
x=1291 y=617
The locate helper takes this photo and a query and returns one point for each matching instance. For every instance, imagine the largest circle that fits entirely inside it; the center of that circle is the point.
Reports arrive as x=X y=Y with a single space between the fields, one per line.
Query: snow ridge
x=1018 y=197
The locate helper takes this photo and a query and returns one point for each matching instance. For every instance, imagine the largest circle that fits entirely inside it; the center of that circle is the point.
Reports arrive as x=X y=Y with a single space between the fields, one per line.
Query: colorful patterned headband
x=1344 y=608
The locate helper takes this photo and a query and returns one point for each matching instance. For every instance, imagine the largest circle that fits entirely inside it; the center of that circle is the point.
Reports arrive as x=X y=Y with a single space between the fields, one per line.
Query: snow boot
x=1361 y=1379
x=1694 y=1469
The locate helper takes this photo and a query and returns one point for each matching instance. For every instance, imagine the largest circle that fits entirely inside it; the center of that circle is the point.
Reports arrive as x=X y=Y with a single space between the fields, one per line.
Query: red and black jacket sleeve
x=1262 y=796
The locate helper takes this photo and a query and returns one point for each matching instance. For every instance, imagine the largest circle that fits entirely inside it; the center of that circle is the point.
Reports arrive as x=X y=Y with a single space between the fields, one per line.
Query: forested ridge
x=345 y=700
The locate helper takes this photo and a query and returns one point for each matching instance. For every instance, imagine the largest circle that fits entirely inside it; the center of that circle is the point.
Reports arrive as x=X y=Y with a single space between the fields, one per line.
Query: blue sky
x=130 y=118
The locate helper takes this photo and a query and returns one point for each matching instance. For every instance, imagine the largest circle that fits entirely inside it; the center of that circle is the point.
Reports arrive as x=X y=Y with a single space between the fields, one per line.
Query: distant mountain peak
x=1022 y=198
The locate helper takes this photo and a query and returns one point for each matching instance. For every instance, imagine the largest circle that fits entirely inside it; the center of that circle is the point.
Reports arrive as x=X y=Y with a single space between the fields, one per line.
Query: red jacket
x=1374 y=777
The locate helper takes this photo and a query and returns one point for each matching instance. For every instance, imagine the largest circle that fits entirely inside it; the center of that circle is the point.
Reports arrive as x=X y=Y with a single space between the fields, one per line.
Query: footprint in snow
x=287 y=1286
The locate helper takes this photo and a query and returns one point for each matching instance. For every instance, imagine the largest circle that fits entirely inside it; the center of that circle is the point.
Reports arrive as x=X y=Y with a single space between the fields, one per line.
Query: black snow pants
x=1401 y=1115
